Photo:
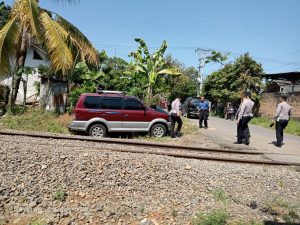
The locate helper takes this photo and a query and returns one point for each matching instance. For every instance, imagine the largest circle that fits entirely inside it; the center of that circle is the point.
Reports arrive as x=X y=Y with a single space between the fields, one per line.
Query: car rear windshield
x=195 y=101
x=92 y=102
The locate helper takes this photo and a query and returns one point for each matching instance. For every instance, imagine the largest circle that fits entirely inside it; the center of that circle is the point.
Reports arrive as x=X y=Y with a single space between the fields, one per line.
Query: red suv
x=100 y=113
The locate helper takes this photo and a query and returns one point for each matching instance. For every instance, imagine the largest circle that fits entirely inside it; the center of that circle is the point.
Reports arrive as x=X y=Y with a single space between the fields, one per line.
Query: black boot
x=246 y=141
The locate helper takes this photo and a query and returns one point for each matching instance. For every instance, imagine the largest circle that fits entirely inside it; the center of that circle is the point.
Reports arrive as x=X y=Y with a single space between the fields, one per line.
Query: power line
x=203 y=53
x=190 y=48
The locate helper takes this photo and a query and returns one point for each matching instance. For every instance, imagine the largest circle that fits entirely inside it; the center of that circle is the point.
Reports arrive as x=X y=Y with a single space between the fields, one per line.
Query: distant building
x=35 y=57
x=37 y=86
x=281 y=83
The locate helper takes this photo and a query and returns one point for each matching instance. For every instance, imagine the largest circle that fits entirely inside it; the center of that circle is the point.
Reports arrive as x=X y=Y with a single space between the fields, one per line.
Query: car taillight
x=74 y=116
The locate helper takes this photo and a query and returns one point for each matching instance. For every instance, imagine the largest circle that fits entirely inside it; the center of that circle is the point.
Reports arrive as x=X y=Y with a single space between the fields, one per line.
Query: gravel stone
x=102 y=186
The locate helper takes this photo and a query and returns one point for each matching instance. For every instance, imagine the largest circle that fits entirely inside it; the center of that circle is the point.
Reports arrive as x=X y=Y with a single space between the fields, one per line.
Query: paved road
x=224 y=132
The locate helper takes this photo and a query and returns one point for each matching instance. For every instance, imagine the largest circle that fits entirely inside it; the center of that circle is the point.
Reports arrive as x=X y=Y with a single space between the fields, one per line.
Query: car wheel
x=158 y=130
x=97 y=130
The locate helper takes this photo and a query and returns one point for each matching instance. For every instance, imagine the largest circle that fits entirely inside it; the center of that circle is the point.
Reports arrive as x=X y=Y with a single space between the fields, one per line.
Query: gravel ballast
x=61 y=184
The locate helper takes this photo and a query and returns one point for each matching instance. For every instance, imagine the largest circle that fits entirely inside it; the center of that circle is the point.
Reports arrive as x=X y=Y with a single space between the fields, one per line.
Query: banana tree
x=82 y=72
x=151 y=65
x=31 y=24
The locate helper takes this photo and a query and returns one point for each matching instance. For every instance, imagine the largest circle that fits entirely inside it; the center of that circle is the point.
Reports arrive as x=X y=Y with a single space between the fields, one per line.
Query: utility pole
x=203 y=53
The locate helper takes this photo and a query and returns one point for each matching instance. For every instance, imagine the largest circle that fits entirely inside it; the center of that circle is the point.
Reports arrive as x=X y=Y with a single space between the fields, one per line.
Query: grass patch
x=216 y=217
x=292 y=128
x=281 y=208
x=173 y=213
x=188 y=128
x=38 y=121
x=60 y=194
x=38 y=221
x=3 y=221
x=219 y=194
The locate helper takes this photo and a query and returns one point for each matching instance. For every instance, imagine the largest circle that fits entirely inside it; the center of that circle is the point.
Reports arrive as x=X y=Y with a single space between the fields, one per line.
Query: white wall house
x=35 y=57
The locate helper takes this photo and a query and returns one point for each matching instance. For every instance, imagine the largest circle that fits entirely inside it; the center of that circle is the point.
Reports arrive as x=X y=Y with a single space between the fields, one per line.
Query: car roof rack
x=109 y=92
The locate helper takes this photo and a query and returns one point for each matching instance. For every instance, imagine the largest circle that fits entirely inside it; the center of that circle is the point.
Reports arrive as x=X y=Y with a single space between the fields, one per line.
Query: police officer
x=244 y=116
x=203 y=109
x=175 y=114
x=282 y=117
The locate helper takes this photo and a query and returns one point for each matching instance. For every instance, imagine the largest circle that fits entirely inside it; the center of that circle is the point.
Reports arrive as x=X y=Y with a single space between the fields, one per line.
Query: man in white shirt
x=244 y=117
x=175 y=114
x=282 y=118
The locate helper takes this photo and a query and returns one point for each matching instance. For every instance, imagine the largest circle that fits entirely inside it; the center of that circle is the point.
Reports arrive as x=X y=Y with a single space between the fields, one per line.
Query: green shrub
x=219 y=194
x=281 y=208
x=86 y=87
x=216 y=217
x=60 y=194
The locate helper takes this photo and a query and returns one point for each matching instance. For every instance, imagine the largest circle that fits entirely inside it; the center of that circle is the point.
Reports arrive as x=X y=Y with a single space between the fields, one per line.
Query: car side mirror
x=153 y=107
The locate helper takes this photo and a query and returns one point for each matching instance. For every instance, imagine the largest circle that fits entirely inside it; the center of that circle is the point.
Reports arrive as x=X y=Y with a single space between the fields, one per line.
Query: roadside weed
x=283 y=209
x=219 y=194
x=60 y=194
x=216 y=217
x=38 y=221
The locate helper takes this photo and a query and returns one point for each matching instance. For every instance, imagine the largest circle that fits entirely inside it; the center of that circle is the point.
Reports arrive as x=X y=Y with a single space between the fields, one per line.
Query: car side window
x=132 y=104
x=111 y=103
x=92 y=102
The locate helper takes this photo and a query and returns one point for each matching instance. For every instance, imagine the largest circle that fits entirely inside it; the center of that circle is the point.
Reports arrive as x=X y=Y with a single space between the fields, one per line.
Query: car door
x=111 y=111
x=135 y=116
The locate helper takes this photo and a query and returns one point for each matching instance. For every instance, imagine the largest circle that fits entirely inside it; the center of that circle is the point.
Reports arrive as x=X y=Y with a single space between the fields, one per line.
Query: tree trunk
x=11 y=101
x=20 y=62
x=25 y=92
x=149 y=93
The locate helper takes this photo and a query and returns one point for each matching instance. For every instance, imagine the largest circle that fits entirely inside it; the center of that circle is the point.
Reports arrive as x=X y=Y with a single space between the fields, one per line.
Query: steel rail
x=134 y=143
x=166 y=153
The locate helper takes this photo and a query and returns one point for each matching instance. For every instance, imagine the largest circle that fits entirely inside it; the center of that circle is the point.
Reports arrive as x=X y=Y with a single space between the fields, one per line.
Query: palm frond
x=28 y=13
x=9 y=36
x=60 y=54
x=87 y=50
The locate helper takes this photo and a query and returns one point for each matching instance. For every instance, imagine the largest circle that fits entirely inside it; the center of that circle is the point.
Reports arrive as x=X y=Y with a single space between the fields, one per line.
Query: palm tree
x=151 y=65
x=30 y=23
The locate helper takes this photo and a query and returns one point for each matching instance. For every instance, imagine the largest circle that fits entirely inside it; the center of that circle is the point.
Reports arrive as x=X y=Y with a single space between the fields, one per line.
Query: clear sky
x=268 y=29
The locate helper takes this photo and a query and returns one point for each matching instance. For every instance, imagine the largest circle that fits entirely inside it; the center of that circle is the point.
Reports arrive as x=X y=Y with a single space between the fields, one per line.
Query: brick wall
x=269 y=102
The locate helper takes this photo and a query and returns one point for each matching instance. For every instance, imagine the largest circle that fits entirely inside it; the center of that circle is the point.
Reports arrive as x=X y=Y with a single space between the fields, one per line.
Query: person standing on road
x=282 y=117
x=244 y=116
x=175 y=114
x=203 y=109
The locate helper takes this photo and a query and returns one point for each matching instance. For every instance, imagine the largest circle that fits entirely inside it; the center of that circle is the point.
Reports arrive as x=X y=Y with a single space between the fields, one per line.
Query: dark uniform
x=203 y=108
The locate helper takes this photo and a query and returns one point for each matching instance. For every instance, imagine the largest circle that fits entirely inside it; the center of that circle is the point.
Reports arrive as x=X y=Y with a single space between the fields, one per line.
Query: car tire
x=98 y=131
x=158 y=130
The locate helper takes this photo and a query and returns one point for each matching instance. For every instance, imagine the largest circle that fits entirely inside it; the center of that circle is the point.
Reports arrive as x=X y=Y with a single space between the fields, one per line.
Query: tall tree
x=184 y=85
x=30 y=23
x=229 y=82
x=151 y=65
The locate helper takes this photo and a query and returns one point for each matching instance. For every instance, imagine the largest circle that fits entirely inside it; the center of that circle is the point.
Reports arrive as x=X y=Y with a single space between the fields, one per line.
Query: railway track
x=158 y=149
